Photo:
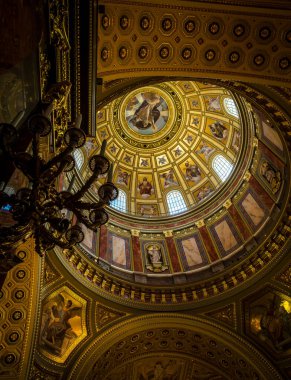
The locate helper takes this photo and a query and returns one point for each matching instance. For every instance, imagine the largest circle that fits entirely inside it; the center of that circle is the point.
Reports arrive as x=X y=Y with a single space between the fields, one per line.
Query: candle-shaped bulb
x=103 y=147
x=78 y=121
x=110 y=172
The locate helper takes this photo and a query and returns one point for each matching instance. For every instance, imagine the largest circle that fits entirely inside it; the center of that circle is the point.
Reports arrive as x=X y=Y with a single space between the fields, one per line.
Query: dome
x=174 y=145
x=200 y=170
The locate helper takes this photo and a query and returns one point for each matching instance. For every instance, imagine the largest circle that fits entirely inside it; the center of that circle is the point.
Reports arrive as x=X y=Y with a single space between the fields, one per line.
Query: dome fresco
x=175 y=136
x=200 y=171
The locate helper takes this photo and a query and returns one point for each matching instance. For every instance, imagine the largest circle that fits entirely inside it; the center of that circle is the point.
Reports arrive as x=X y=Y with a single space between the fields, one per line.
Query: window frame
x=174 y=210
x=121 y=195
x=222 y=176
x=229 y=108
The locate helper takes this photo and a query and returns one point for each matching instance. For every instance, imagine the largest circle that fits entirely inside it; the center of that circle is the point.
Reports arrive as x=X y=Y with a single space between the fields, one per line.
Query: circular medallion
x=147 y=113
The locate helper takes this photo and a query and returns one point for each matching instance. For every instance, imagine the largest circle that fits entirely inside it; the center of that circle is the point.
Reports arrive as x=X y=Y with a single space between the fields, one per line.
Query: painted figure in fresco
x=271 y=175
x=274 y=323
x=145 y=188
x=122 y=177
x=169 y=178
x=147 y=210
x=205 y=149
x=213 y=104
x=56 y=324
x=147 y=113
x=192 y=172
x=160 y=371
x=218 y=130
x=204 y=192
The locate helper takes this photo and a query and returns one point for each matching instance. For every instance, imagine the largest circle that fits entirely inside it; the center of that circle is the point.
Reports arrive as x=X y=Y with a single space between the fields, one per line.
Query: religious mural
x=271 y=176
x=147 y=113
x=236 y=141
x=212 y=103
x=122 y=177
x=218 y=130
x=192 y=171
x=205 y=150
x=145 y=188
x=169 y=179
x=269 y=320
x=62 y=324
x=147 y=210
x=159 y=369
x=194 y=102
x=203 y=192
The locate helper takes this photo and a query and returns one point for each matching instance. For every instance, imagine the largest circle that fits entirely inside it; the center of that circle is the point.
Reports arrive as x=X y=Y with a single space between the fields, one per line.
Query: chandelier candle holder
x=40 y=210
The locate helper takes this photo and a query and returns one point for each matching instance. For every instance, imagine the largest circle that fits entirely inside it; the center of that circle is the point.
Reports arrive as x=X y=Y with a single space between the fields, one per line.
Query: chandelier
x=40 y=210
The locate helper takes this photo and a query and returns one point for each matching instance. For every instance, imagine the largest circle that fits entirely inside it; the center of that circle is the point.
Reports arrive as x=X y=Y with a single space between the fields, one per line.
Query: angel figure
x=57 y=333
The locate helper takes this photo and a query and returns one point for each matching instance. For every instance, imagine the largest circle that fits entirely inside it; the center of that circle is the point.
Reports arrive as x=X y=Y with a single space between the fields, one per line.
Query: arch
x=175 y=202
x=222 y=167
x=120 y=202
x=128 y=332
x=230 y=107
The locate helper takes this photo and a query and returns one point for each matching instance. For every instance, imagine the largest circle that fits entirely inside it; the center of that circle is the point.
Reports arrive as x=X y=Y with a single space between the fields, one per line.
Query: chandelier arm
x=53 y=239
x=68 y=150
x=79 y=194
x=85 y=205
x=81 y=218
x=48 y=176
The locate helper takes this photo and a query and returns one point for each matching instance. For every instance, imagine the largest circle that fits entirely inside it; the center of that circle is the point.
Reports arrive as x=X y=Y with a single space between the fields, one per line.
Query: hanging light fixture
x=41 y=210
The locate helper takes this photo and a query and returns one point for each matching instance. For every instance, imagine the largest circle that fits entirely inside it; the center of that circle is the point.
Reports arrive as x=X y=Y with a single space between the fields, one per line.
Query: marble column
x=103 y=242
x=173 y=254
x=210 y=248
x=137 y=259
x=239 y=222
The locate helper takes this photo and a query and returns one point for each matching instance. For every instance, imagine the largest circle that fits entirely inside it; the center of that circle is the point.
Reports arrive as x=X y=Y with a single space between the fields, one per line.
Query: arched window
x=120 y=202
x=176 y=202
x=79 y=158
x=230 y=107
x=222 y=167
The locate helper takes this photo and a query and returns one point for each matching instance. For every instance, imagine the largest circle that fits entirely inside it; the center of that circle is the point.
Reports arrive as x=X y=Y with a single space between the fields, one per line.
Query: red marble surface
x=137 y=260
x=240 y=224
x=173 y=254
x=210 y=248
x=262 y=193
x=273 y=158
x=103 y=242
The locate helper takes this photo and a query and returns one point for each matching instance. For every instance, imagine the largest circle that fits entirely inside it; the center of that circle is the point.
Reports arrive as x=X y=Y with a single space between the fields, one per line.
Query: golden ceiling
x=207 y=306
x=192 y=126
